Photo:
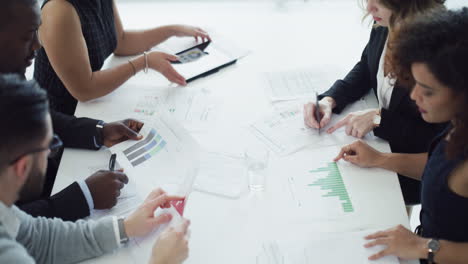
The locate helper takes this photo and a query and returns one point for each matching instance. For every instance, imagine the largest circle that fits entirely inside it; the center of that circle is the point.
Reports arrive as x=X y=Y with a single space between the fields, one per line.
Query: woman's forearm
x=103 y=82
x=449 y=252
x=452 y=253
x=135 y=42
x=411 y=165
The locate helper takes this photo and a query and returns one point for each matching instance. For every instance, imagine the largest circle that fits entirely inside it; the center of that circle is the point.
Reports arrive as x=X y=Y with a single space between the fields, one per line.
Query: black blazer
x=69 y=204
x=401 y=124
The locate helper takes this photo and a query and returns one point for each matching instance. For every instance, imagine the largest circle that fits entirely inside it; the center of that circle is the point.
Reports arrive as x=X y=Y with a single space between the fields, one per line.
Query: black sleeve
x=75 y=132
x=406 y=133
x=70 y=205
x=355 y=85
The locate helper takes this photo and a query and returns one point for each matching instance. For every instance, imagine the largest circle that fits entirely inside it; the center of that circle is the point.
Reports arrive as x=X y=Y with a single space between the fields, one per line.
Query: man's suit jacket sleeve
x=355 y=85
x=75 y=132
x=69 y=204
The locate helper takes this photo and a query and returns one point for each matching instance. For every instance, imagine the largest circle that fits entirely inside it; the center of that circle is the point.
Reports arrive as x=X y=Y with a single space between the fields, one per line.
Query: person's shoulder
x=380 y=31
x=57 y=9
x=58 y=16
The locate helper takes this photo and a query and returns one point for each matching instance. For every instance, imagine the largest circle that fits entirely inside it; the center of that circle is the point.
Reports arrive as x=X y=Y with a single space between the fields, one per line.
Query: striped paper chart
x=145 y=149
x=333 y=185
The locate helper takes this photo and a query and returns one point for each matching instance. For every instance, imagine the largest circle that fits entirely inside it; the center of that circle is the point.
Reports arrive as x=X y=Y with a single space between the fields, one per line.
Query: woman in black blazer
x=397 y=119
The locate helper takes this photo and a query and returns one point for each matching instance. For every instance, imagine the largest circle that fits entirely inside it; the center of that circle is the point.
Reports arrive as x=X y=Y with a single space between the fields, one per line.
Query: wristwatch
x=377 y=119
x=99 y=133
x=433 y=247
x=123 y=235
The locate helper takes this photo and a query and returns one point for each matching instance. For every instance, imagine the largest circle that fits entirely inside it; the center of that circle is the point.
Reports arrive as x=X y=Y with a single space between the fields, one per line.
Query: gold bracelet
x=145 y=70
x=133 y=66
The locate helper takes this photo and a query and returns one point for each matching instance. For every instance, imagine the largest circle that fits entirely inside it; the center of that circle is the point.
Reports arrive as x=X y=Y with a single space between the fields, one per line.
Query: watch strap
x=430 y=257
x=100 y=133
x=122 y=234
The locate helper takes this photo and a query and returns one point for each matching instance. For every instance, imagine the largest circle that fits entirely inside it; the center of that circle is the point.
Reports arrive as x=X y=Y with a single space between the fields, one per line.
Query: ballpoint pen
x=317 y=110
x=112 y=162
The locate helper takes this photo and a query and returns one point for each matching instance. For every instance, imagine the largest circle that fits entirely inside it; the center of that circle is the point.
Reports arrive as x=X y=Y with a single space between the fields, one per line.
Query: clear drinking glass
x=256 y=160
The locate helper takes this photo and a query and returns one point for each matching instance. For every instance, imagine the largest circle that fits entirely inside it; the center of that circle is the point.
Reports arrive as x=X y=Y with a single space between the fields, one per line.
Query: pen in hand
x=317 y=110
x=112 y=162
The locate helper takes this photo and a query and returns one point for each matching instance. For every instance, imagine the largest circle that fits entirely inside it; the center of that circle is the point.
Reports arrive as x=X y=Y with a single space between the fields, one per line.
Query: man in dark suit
x=19 y=21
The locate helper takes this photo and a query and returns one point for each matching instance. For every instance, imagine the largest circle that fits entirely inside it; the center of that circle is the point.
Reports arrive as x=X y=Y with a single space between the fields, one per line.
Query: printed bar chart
x=334 y=183
x=145 y=149
x=149 y=155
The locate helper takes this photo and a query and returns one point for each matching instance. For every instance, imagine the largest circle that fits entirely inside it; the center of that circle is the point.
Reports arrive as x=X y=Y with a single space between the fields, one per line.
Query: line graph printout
x=148 y=104
x=284 y=131
x=193 y=107
x=166 y=157
x=289 y=85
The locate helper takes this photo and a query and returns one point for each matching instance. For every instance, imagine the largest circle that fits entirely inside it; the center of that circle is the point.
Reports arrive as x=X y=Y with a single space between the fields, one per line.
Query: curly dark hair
x=403 y=9
x=440 y=41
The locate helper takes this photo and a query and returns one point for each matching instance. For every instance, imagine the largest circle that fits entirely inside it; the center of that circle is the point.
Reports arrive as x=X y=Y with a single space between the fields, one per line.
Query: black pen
x=317 y=110
x=112 y=162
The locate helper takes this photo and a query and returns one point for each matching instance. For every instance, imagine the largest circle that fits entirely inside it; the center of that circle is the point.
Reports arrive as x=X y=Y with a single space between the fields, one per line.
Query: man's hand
x=142 y=221
x=172 y=245
x=116 y=132
x=105 y=187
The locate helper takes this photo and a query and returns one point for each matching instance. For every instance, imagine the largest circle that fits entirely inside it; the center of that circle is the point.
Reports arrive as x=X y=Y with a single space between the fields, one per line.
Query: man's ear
x=22 y=168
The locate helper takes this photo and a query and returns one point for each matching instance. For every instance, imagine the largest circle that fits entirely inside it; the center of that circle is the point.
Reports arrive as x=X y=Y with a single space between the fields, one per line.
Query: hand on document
x=400 y=242
x=172 y=245
x=160 y=61
x=358 y=124
x=119 y=131
x=360 y=154
x=190 y=31
x=105 y=187
x=143 y=220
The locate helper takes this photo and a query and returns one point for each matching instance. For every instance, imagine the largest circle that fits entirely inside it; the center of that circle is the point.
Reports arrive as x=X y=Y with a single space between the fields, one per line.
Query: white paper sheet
x=291 y=85
x=284 y=131
x=126 y=202
x=221 y=175
x=150 y=161
x=323 y=248
x=194 y=108
x=141 y=248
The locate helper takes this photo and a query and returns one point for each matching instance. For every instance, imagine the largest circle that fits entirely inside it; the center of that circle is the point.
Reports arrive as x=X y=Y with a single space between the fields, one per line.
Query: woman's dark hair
x=440 y=41
x=403 y=9
x=23 y=111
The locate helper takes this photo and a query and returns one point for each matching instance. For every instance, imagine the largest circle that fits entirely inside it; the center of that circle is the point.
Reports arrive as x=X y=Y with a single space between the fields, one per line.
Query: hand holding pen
x=318 y=114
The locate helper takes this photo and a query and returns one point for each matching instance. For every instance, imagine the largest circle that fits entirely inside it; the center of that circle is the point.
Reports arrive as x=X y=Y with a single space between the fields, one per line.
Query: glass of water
x=256 y=160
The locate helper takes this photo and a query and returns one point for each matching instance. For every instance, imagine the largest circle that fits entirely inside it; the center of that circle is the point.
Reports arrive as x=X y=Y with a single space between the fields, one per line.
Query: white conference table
x=322 y=35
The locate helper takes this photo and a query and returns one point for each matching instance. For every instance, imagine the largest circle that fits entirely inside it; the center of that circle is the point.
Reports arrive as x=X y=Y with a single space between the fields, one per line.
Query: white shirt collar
x=9 y=220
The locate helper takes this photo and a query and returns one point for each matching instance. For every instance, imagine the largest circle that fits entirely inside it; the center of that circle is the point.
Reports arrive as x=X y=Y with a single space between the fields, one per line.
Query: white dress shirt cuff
x=87 y=194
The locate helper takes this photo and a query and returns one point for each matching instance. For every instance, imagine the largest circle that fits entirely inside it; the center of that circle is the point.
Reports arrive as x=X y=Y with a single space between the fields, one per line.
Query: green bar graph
x=334 y=183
